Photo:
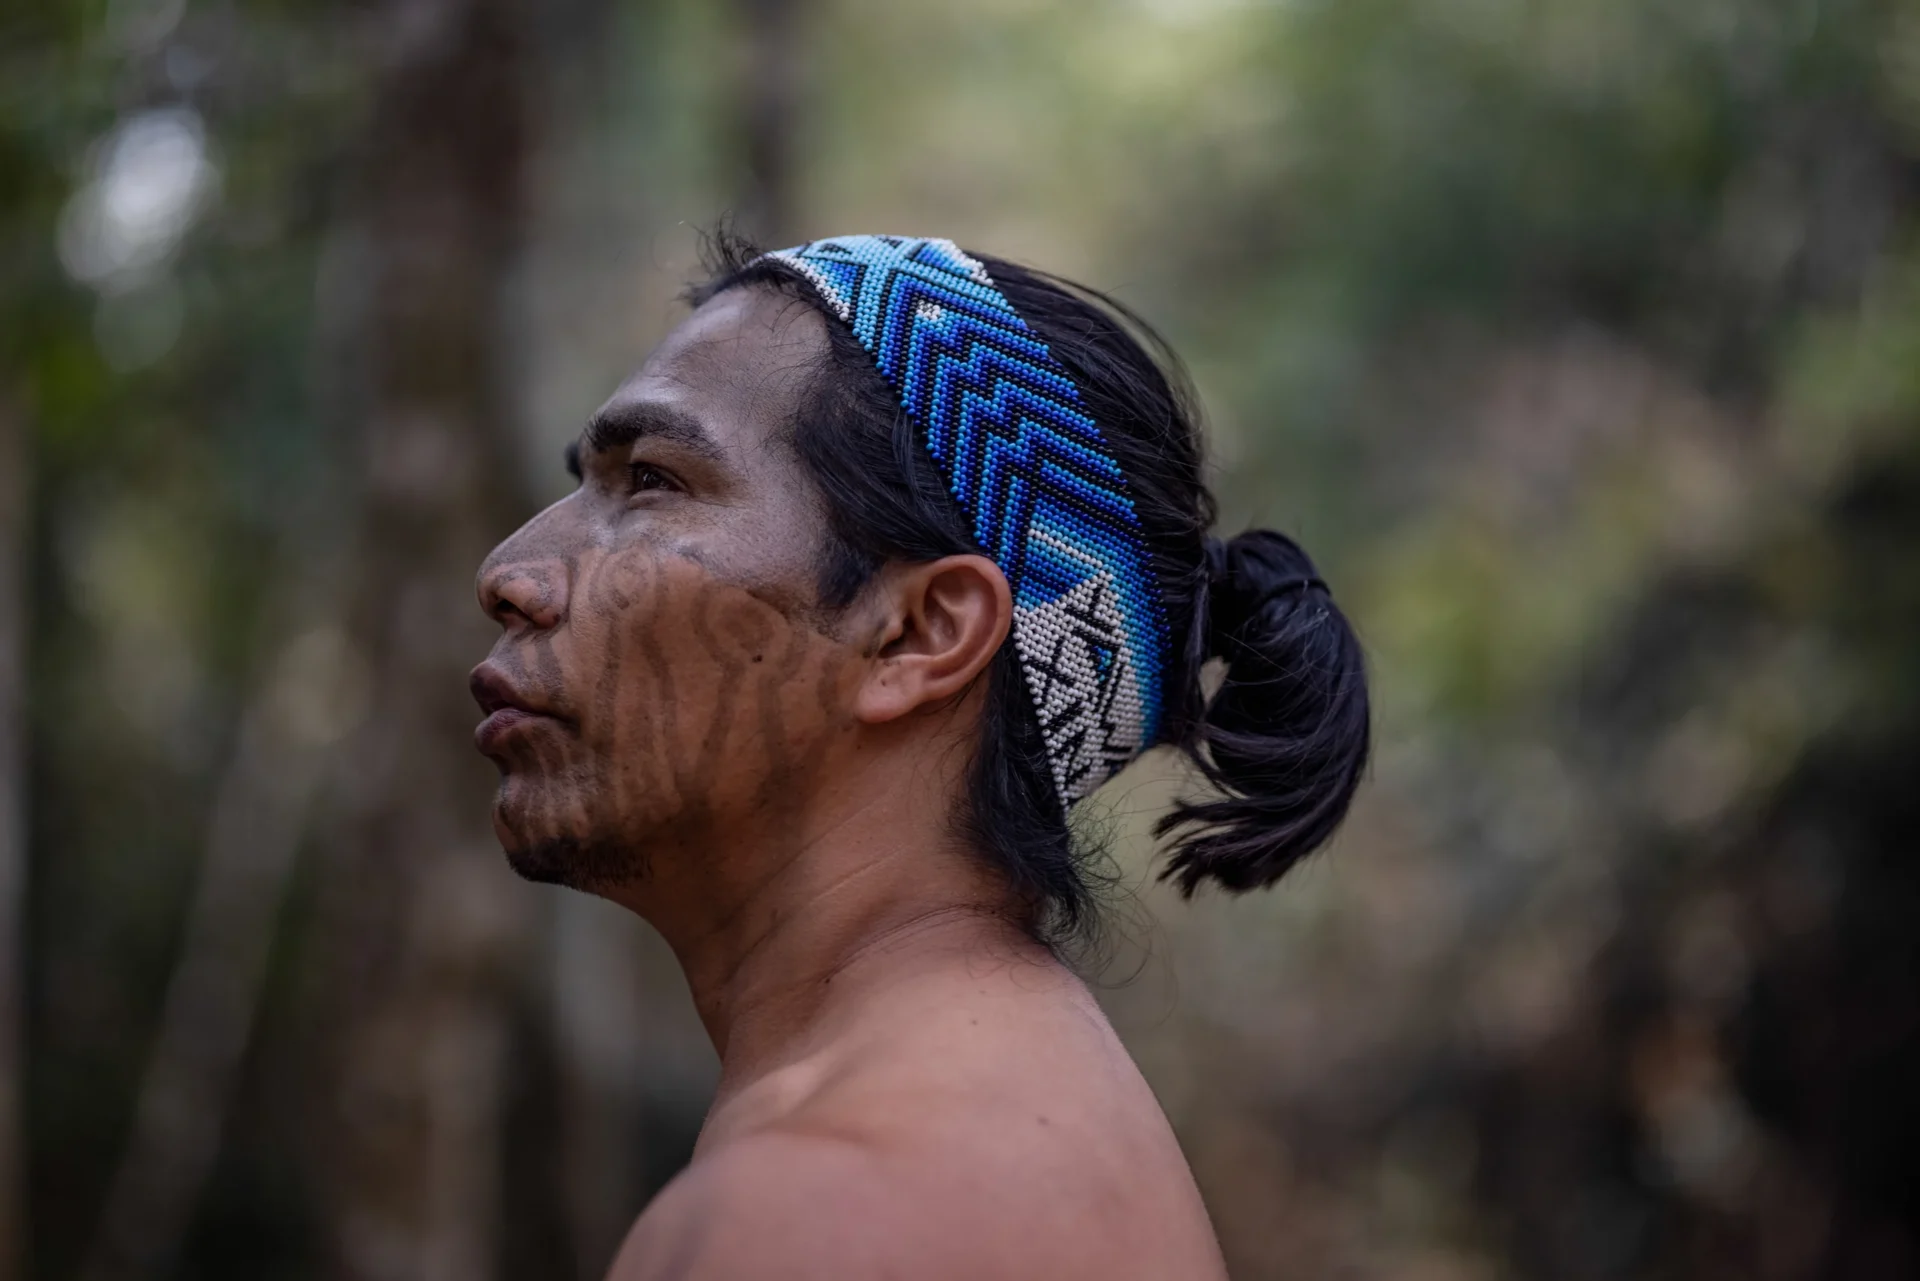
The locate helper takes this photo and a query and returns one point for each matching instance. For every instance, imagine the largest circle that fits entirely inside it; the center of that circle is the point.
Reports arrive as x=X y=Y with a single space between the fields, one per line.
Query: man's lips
x=505 y=708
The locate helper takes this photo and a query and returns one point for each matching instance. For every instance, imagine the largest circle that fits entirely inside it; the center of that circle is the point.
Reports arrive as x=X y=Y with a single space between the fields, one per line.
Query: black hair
x=1282 y=740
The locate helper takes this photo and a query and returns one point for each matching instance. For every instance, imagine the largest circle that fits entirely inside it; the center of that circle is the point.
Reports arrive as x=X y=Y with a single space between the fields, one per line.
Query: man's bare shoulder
x=935 y=1151
x=792 y=1203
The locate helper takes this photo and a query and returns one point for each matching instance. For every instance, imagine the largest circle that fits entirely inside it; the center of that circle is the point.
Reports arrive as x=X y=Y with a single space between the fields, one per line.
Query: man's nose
x=524 y=593
x=533 y=595
x=521 y=588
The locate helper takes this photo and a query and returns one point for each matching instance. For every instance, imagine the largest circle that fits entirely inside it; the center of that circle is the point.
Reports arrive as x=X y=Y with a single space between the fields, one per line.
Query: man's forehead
x=740 y=361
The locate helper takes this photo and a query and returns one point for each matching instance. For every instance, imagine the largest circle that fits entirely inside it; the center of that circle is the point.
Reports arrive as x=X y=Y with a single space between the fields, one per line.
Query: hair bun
x=1253 y=573
x=1284 y=738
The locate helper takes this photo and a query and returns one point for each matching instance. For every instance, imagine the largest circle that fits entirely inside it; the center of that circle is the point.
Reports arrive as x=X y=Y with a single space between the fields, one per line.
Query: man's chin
x=548 y=863
x=592 y=866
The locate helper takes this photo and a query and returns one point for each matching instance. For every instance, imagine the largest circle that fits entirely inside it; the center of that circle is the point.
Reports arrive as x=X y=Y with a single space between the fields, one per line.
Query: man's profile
x=884 y=558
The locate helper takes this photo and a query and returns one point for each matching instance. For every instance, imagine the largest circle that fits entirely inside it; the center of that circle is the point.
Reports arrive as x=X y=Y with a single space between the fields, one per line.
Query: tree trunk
x=769 y=105
x=13 y=839
x=258 y=819
x=425 y=926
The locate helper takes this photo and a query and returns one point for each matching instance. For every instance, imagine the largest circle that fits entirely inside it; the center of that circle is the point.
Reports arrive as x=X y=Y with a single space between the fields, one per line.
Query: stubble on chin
x=592 y=867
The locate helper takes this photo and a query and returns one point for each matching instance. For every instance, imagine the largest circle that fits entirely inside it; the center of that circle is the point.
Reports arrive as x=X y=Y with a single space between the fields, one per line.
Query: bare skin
x=910 y=1086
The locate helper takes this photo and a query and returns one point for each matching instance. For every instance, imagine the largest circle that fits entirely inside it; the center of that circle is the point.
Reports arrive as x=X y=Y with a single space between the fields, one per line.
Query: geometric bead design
x=1045 y=496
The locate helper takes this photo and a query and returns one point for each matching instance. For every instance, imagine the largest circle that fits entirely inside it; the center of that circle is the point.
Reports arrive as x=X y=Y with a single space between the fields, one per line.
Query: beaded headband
x=1045 y=496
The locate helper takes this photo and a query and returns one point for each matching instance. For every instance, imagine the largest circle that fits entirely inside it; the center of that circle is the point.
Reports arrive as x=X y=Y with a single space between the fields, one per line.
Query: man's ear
x=944 y=621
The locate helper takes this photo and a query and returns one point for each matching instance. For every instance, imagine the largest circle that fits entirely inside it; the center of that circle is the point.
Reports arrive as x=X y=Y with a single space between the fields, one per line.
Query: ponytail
x=1284 y=739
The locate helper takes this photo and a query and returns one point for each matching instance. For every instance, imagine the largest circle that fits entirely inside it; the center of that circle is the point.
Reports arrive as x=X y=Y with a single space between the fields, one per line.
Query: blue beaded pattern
x=1003 y=422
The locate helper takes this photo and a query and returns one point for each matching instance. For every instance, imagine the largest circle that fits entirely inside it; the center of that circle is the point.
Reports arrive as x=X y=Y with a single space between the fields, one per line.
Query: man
x=719 y=703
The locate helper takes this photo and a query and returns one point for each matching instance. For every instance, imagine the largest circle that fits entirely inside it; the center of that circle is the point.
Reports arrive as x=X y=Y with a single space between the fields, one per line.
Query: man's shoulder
x=790 y=1202
x=966 y=1142
x=976 y=1191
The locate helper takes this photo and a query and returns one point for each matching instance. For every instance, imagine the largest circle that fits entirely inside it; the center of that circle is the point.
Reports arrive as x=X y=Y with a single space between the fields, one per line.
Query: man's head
x=669 y=674
x=763 y=588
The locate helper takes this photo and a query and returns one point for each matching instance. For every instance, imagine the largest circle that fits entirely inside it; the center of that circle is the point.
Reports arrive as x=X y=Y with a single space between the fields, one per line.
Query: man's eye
x=644 y=476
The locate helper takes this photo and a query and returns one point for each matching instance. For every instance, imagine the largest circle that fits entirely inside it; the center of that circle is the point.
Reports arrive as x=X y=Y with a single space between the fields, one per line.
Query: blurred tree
x=13 y=840
x=258 y=815
x=774 y=38
x=425 y=933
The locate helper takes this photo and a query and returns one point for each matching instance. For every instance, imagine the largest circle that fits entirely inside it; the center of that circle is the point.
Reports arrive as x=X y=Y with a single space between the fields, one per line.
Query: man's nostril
x=522 y=598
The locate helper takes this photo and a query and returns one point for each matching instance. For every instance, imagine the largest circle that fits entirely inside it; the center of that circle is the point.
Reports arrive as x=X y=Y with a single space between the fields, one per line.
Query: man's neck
x=806 y=916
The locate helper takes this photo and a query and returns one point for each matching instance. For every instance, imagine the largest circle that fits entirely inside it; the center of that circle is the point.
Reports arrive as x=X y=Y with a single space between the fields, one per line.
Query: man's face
x=663 y=675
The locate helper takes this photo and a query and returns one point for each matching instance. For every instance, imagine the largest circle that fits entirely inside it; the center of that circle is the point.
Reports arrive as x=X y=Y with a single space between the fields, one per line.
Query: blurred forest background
x=1580 y=339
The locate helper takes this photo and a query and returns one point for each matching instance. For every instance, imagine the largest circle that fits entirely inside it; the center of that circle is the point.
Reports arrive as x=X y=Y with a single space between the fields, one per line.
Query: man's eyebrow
x=617 y=425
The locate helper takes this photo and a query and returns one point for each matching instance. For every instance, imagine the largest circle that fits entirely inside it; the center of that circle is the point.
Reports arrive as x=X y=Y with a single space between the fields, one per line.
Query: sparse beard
x=590 y=866
x=544 y=842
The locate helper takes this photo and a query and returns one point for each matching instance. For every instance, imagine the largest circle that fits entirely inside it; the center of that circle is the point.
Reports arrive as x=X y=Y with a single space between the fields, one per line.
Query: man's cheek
x=699 y=690
x=646 y=692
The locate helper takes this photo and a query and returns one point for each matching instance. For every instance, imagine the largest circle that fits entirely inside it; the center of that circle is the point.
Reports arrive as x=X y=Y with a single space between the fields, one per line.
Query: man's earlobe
x=946 y=620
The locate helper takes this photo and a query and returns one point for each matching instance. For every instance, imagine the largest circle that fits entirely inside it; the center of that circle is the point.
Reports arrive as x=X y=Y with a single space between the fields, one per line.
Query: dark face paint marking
x=682 y=646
